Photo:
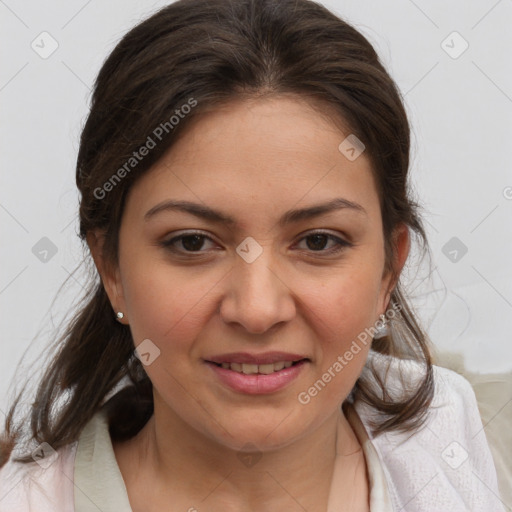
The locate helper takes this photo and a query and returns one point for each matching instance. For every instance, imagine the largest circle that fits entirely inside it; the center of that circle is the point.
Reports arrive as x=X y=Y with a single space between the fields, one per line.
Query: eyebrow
x=291 y=216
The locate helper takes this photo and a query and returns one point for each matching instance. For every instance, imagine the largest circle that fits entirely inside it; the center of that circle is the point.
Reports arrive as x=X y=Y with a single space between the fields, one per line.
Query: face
x=253 y=241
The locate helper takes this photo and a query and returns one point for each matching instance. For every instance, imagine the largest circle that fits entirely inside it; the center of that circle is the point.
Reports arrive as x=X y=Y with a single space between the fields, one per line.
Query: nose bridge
x=258 y=278
x=258 y=298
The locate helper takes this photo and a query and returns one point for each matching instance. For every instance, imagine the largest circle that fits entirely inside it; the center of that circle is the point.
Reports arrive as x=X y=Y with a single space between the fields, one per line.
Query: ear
x=401 y=247
x=110 y=275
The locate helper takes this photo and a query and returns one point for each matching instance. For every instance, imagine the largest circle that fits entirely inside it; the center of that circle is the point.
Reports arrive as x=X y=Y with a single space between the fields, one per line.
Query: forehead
x=259 y=153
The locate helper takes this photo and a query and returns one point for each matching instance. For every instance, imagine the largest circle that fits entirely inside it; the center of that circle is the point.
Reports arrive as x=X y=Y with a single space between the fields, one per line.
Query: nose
x=257 y=297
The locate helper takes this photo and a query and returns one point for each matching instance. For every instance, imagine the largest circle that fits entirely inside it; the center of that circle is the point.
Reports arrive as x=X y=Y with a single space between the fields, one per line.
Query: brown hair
x=212 y=52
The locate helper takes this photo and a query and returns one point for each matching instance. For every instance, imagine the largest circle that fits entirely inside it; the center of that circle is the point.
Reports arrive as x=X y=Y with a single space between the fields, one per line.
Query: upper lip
x=263 y=358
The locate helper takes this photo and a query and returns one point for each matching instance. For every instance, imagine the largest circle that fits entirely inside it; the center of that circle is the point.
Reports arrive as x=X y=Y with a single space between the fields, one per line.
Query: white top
x=444 y=466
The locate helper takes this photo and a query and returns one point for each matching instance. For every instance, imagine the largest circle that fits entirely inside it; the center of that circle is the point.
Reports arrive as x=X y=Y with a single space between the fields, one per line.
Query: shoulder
x=447 y=462
x=45 y=485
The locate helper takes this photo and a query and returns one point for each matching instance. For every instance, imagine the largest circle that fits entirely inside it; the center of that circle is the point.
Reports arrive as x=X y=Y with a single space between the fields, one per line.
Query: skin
x=252 y=160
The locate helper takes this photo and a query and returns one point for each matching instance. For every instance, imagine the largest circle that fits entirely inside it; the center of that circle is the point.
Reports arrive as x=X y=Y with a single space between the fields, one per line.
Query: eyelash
x=340 y=243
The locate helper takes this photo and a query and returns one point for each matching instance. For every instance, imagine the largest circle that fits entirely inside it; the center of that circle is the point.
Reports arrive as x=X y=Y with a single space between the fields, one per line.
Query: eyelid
x=178 y=235
x=320 y=231
x=190 y=232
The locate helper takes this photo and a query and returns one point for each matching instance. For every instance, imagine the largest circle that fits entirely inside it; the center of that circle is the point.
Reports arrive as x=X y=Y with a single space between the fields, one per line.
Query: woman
x=244 y=195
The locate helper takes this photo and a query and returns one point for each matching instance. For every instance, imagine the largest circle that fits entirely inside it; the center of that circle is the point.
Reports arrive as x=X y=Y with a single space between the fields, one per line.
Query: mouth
x=259 y=374
x=262 y=369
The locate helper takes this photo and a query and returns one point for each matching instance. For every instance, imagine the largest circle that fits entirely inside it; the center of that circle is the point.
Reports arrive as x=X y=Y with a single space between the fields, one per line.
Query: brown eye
x=317 y=242
x=187 y=243
x=192 y=242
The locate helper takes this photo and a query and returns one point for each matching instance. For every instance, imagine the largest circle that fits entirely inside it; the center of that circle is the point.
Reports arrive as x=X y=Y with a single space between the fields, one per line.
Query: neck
x=196 y=472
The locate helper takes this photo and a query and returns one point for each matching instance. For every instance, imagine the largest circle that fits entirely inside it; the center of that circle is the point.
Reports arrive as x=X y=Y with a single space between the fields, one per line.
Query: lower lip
x=257 y=384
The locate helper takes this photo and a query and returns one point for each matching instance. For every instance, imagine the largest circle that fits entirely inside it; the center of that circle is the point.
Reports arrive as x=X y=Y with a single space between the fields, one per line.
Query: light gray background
x=460 y=109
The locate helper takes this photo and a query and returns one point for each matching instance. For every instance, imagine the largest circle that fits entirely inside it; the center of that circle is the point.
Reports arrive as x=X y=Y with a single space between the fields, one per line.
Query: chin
x=262 y=435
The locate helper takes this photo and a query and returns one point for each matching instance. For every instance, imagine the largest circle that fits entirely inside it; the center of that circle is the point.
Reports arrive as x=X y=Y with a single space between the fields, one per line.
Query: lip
x=263 y=358
x=257 y=384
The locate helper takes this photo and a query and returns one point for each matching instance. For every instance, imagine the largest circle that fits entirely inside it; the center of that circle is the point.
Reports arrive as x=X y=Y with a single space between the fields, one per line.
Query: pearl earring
x=120 y=315
x=382 y=329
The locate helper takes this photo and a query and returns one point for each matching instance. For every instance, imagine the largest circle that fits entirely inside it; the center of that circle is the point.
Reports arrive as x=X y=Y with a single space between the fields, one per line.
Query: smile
x=257 y=379
x=251 y=369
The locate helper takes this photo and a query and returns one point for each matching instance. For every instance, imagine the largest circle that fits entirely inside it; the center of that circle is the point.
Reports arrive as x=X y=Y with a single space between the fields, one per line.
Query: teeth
x=251 y=369
x=266 y=368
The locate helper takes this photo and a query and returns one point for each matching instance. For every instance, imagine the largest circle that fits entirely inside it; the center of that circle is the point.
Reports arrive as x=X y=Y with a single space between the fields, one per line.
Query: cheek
x=165 y=305
x=340 y=311
x=345 y=304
